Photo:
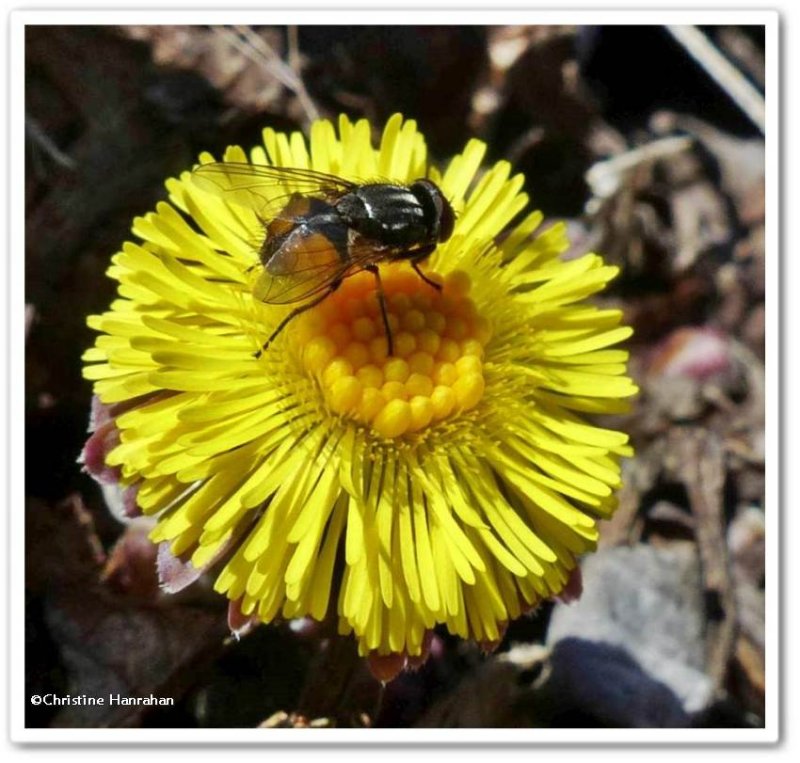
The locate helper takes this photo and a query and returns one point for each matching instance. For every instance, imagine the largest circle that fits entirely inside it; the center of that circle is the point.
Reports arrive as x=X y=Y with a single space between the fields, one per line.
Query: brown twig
x=727 y=76
x=244 y=39
x=701 y=467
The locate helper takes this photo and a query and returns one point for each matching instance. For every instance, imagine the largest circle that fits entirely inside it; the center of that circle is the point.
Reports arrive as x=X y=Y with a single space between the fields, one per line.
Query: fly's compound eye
x=447 y=219
x=437 y=206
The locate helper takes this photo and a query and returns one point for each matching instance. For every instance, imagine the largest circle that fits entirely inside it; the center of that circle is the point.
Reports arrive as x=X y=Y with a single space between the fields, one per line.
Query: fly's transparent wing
x=266 y=189
x=305 y=268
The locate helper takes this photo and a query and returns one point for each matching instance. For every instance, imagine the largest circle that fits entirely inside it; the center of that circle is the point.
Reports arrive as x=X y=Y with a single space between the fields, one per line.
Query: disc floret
x=435 y=371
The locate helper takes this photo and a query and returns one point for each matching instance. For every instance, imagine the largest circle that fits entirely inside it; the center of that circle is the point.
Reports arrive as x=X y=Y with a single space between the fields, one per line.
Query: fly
x=326 y=229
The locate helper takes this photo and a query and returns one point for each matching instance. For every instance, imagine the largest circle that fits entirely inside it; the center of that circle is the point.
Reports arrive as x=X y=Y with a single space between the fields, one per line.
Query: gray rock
x=577 y=684
x=648 y=602
x=596 y=684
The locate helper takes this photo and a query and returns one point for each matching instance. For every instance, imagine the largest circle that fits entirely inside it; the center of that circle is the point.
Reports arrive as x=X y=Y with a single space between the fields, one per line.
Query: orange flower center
x=436 y=369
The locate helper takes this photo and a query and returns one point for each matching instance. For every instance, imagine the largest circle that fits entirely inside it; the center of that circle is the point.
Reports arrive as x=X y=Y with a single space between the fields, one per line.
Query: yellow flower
x=452 y=483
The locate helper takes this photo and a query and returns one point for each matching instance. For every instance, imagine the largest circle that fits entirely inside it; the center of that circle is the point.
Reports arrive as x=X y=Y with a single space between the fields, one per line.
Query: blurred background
x=647 y=152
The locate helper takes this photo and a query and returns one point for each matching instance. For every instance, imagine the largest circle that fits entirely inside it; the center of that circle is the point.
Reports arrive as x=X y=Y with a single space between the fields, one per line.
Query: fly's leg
x=382 y=302
x=421 y=255
x=297 y=311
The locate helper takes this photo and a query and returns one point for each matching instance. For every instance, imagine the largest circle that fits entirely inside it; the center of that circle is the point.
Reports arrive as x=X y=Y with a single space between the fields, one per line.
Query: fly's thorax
x=388 y=214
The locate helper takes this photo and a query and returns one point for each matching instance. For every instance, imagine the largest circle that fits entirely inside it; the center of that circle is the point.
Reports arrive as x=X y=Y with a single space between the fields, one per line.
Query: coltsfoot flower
x=454 y=482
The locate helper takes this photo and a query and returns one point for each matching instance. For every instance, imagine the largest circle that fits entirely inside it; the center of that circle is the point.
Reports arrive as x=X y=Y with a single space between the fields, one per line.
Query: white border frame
x=312 y=15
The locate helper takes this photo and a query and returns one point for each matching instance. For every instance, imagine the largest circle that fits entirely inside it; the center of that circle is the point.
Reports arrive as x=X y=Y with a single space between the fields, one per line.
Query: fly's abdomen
x=307 y=248
x=292 y=226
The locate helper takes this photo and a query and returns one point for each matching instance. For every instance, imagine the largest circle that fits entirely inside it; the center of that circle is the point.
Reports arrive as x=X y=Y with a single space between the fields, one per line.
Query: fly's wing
x=300 y=285
x=311 y=264
x=306 y=264
x=266 y=189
